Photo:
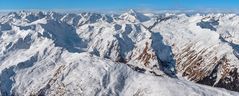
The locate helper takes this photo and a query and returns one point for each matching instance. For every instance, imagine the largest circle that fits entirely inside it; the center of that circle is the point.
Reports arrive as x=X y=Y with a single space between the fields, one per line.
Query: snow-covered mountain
x=133 y=53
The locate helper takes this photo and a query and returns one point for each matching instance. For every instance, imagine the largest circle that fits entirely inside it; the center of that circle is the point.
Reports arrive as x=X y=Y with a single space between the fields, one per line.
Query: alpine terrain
x=124 y=54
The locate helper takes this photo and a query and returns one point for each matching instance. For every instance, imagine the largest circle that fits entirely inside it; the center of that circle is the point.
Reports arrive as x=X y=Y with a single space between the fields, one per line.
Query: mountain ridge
x=200 y=48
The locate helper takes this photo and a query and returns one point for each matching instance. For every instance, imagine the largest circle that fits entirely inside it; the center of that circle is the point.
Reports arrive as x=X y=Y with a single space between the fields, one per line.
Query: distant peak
x=132 y=11
x=134 y=16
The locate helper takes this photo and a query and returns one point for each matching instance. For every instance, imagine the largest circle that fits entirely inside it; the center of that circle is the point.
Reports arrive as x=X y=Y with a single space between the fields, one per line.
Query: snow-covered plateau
x=124 y=54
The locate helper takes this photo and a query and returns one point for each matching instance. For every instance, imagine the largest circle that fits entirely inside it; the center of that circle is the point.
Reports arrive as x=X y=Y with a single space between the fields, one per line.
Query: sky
x=119 y=4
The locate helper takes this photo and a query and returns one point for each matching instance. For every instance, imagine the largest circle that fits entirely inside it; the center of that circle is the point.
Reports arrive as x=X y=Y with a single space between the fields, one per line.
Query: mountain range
x=133 y=53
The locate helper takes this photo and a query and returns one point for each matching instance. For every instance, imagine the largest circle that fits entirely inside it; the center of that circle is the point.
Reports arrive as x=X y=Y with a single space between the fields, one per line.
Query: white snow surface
x=87 y=75
x=87 y=54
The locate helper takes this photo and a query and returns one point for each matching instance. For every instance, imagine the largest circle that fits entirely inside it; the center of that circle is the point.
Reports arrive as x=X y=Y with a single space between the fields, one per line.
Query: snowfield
x=128 y=54
x=86 y=75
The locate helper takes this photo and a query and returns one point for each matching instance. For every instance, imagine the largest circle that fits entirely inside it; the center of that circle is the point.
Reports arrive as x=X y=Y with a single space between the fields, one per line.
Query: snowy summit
x=131 y=54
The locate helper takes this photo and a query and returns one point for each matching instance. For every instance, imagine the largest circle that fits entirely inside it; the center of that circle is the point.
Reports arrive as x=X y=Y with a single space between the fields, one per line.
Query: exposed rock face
x=200 y=48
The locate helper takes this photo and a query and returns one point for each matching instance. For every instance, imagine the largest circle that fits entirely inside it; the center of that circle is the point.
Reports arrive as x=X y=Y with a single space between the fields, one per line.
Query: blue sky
x=119 y=4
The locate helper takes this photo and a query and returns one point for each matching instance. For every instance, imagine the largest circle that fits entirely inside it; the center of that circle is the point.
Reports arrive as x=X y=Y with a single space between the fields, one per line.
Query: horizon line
x=116 y=10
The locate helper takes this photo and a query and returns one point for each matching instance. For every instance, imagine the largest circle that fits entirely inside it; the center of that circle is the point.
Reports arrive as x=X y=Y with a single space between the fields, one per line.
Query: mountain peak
x=132 y=11
x=134 y=16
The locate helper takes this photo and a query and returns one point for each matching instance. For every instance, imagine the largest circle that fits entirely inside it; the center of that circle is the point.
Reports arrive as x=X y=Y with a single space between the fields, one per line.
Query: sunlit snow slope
x=128 y=54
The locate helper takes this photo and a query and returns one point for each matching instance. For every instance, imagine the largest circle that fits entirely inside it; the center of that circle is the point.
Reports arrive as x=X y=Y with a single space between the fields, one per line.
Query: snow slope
x=49 y=53
x=85 y=74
